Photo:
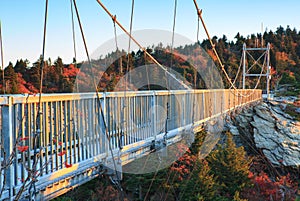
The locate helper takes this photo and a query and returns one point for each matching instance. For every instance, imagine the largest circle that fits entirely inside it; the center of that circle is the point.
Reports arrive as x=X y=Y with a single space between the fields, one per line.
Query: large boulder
x=274 y=132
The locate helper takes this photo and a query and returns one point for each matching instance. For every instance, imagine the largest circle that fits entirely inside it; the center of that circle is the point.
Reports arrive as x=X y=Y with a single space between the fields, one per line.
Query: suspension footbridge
x=52 y=143
x=73 y=147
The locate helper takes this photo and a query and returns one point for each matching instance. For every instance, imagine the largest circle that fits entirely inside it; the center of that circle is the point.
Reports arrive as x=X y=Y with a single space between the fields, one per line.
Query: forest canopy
x=59 y=77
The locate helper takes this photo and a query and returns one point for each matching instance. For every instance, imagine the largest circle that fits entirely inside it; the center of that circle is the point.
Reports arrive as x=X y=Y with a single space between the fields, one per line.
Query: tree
x=287 y=79
x=201 y=186
x=12 y=79
x=231 y=167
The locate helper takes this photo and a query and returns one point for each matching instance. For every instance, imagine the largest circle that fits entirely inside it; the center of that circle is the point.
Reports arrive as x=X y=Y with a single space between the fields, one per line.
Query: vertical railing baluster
x=70 y=130
x=65 y=130
x=97 y=129
x=61 y=133
x=41 y=136
x=153 y=110
x=86 y=130
x=16 y=127
x=116 y=123
x=56 y=133
x=92 y=127
x=23 y=134
x=28 y=131
x=7 y=129
x=51 y=135
x=46 y=134
x=81 y=129
x=77 y=139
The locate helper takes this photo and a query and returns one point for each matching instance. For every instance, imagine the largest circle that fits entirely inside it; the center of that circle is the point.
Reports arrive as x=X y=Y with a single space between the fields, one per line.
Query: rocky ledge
x=267 y=127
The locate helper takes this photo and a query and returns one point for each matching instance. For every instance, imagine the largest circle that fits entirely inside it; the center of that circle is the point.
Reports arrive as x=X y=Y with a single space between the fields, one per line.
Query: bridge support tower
x=265 y=67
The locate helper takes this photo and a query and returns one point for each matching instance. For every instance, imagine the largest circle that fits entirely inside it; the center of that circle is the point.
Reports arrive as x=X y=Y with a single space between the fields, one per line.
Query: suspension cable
x=32 y=188
x=173 y=32
x=236 y=93
x=120 y=141
x=115 y=34
x=74 y=39
x=130 y=33
x=195 y=75
x=147 y=73
x=129 y=44
x=167 y=77
x=126 y=78
x=152 y=181
x=98 y=100
x=73 y=32
x=141 y=47
x=238 y=72
x=2 y=60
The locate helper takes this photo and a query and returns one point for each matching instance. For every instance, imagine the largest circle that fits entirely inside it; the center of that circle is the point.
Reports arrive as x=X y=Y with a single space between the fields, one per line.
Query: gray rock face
x=274 y=131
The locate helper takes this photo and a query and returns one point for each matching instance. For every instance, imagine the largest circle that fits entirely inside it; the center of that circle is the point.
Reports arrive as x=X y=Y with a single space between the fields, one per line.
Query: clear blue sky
x=22 y=22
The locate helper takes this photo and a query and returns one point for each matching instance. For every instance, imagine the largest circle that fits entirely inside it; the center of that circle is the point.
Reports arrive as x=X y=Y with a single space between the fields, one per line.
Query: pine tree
x=231 y=167
x=201 y=186
x=12 y=79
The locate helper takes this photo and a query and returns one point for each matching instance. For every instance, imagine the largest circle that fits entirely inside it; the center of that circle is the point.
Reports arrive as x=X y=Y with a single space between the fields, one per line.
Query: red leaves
x=267 y=189
x=24 y=138
x=22 y=148
x=61 y=153
x=55 y=141
x=21 y=180
x=68 y=165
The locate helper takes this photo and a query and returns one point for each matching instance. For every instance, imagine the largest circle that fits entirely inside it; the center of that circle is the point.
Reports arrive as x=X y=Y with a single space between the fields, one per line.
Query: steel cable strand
x=38 y=132
x=168 y=106
x=258 y=81
x=98 y=99
x=123 y=130
x=236 y=93
x=141 y=47
x=238 y=72
x=2 y=60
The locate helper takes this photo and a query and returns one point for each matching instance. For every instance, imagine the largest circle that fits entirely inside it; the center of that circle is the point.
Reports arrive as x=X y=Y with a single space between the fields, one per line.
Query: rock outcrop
x=267 y=127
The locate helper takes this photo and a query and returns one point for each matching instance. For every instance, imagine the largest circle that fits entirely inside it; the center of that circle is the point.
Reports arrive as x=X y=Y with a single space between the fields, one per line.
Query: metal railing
x=72 y=129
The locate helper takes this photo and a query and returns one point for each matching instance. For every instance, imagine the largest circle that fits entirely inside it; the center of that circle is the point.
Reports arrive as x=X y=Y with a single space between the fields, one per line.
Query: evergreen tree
x=231 y=167
x=201 y=186
x=11 y=79
x=287 y=79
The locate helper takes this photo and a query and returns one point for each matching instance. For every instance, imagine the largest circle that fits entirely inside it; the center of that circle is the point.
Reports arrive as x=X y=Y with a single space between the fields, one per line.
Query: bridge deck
x=72 y=143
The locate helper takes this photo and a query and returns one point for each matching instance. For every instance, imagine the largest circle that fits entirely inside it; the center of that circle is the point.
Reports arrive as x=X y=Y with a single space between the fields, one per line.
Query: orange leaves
x=22 y=148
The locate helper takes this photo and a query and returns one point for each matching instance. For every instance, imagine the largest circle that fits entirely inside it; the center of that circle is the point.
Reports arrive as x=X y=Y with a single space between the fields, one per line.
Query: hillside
x=60 y=77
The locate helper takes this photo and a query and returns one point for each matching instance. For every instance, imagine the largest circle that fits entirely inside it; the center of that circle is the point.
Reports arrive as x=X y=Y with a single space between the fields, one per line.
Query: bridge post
x=244 y=65
x=153 y=115
x=268 y=71
x=8 y=141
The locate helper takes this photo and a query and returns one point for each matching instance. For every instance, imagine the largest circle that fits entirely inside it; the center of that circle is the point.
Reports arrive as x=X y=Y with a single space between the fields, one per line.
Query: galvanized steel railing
x=71 y=132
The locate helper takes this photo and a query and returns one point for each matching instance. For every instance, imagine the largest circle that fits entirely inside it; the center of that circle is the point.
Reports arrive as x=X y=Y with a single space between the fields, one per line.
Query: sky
x=22 y=22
